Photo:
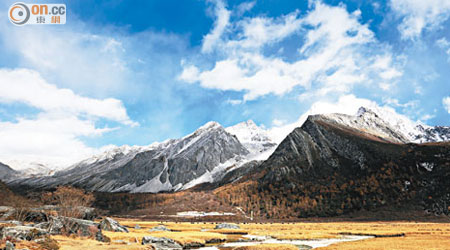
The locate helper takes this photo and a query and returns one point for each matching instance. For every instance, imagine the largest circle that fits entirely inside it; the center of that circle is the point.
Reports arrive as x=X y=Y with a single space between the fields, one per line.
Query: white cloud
x=223 y=18
x=234 y=102
x=444 y=45
x=418 y=15
x=259 y=31
x=48 y=139
x=53 y=136
x=338 y=52
x=72 y=56
x=244 y=7
x=29 y=87
x=396 y=103
x=278 y=122
x=446 y=103
x=426 y=117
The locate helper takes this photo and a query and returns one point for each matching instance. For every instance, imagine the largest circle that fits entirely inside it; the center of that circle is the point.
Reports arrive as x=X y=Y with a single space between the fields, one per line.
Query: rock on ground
x=101 y=237
x=9 y=246
x=109 y=224
x=161 y=243
x=23 y=232
x=227 y=226
x=159 y=228
x=58 y=225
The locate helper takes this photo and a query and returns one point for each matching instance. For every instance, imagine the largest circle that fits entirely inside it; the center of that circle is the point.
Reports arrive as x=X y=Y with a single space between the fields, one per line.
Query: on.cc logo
x=19 y=13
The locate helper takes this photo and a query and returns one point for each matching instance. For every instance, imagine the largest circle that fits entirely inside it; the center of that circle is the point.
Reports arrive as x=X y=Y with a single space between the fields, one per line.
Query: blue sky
x=134 y=72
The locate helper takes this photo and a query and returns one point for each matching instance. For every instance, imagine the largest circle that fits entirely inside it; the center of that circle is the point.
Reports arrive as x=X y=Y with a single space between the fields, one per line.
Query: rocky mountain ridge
x=336 y=164
x=214 y=154
x=206 y=155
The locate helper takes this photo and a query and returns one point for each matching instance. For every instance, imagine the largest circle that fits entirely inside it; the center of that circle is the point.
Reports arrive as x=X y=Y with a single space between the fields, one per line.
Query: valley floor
x=384 y=235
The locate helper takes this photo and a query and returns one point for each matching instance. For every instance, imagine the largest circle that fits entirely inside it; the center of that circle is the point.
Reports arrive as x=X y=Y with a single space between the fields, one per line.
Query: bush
x=48 y=243
x=70 y=201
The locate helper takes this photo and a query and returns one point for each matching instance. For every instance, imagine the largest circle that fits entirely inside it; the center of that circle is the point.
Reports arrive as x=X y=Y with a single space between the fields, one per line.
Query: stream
x=301 y=244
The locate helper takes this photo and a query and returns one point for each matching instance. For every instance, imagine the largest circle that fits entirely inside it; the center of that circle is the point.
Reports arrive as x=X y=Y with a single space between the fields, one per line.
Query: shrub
x=70 y=201
x=48 y=243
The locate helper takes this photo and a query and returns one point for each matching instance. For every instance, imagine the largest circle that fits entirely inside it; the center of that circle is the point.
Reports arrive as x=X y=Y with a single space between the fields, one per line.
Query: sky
x=135 y=72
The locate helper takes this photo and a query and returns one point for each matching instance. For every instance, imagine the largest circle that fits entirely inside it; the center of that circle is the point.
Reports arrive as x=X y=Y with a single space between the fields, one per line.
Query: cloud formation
x=52 y=136
x=446 y=103
x=221 y=22
x=28 y=87
x=335 y=52
x=418 y=15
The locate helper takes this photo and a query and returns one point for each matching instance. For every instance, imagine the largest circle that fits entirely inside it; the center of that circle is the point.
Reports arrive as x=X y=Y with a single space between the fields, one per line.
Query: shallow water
x=302 y=244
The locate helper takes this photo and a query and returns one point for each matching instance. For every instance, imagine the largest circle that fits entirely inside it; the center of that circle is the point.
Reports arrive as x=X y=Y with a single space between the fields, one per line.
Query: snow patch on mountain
x=412 y=131
x=256 y=139
x=112 y=151
x=205 y=178
x=384 y=122
x=31 y=168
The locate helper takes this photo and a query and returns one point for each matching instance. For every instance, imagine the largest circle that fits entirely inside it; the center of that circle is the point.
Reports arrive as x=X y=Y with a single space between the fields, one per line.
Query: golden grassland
x=417 y=235
x=268 y=247
x=313 y=230
x=409 y=242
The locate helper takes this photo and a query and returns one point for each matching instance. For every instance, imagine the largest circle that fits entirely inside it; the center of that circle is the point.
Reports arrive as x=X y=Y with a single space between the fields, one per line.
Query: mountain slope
x=411 y=131
x=339 y=164
x=431 y=134
x=6 y=172
x=167 y=166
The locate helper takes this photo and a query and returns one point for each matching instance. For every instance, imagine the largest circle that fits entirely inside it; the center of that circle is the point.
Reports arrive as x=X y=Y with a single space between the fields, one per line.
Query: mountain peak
x=255 y=138
x=248 y=131
x=366 y=121
x=363 y=111
x=209 y=125
x=250 y=123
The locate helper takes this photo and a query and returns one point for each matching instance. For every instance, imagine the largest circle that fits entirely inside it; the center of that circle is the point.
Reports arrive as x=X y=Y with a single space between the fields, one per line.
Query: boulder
x=88 y=213
x=191 y=245
x=58 y=225
x=23 y=232
x=161 y=243
x=101 y=237
x=109 y=224
x=160 y=228
x=9 y=246
x=227 y=226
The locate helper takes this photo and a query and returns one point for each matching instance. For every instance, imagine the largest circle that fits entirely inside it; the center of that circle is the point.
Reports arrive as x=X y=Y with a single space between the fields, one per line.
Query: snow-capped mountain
x=389 y=125
x=366 y=121
x=6 y=172
x=174 y=164
x=256 y=139
x=364 y=151
x=431 y=134
x=210 y=153
x=31 y=168
x=402 y=126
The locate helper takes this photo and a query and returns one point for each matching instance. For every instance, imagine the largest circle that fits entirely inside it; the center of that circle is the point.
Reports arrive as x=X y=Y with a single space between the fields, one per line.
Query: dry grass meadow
x=417 y=236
